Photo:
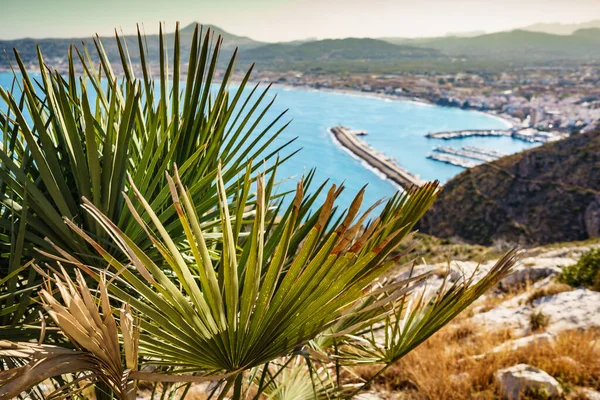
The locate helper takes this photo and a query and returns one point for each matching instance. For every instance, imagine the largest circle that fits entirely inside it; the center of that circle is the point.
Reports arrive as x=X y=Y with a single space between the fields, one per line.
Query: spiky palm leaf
x=296 y=381
x=101 y=344
x=94 y=332
x=18 y=317
x=255 y=305
x=66 y=136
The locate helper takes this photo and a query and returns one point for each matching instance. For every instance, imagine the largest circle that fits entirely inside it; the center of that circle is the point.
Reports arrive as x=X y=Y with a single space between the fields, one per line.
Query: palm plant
x=279 y=292
x=65 y=137
x=225 y=282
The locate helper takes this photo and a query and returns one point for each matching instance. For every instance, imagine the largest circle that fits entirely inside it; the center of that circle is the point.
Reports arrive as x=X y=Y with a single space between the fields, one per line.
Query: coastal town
x=542 y=104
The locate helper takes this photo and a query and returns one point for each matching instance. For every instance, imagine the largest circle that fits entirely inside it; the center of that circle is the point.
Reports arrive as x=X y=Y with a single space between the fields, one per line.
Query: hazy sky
x=279 y=20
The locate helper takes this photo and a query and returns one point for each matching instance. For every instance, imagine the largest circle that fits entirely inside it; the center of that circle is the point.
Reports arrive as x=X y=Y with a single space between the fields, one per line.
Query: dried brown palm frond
x=91 y=327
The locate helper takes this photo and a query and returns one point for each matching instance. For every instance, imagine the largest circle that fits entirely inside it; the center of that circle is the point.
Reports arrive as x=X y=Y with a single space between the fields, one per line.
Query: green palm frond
x=412 y=317
x=251 y=305
x=297 y=381
x=418 y=314
x=19 y=315
x=68 y=136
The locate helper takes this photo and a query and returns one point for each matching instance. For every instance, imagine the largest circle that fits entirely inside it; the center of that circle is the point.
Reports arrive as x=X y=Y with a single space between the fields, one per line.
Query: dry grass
x=434 y=250
x=442 y=368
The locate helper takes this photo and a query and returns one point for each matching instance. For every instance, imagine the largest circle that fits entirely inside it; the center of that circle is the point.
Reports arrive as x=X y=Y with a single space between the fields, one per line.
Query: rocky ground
x=531 y=338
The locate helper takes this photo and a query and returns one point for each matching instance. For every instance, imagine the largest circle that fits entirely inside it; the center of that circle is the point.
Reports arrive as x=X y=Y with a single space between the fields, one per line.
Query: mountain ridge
x=558 y=28
x=543 y=195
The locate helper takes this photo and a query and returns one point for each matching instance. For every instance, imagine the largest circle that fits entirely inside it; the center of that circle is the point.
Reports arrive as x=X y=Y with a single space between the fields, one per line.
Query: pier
x=392 y=170
x=486 y=152
x=453 y=160
x=465 y=153
x=526 y=134
x=469 y=133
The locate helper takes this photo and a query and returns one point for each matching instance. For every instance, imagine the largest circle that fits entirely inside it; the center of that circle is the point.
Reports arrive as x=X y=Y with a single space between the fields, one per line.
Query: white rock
x=532 y=270
x=503 y=317
x=512 y=345
x=538 y=340
x=587 y=394
x=577 y=309
x=573 y=252
x=368 y=396
x=522 y=378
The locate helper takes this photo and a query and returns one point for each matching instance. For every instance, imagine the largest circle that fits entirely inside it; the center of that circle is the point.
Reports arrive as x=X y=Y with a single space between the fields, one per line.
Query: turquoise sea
x=396 y=128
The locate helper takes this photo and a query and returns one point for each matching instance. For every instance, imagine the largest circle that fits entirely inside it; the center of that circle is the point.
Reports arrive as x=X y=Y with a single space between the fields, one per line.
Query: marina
x=483 y=151
x=466 y=153
x=453 y=160
x=526 y=134
x=469 y=133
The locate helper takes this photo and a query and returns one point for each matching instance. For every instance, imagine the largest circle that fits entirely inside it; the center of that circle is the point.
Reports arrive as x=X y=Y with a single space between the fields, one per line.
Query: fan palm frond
x=68 y=136
x=254 y=305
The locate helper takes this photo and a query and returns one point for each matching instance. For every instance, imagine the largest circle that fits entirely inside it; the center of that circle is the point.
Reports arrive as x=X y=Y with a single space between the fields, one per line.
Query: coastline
x=509 y=121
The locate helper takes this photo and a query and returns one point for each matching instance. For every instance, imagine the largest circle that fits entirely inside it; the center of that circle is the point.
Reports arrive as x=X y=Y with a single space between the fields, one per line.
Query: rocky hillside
x=543 y=195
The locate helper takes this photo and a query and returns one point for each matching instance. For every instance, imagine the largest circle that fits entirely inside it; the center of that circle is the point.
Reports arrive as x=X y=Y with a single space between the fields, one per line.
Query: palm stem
x=228 y=386
x=371 y=379
x=237 y=388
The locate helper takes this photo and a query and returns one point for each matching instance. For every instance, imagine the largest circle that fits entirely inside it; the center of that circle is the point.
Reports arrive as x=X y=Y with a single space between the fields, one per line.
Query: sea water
x=396 y=128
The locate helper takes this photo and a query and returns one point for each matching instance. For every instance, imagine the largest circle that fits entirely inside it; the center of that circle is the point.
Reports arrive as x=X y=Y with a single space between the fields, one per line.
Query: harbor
x=466 y=157
x=453 y=160
x=525 y=134
x=387 y=166
x=466 y=153
x=469 y=133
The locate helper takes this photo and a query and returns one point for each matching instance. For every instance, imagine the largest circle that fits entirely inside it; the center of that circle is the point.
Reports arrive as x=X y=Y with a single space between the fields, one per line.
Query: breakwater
x=486 y=152
x=469 y=133
x=453 y=160
x=465 y=153
x=526 y=134
x=388 y=167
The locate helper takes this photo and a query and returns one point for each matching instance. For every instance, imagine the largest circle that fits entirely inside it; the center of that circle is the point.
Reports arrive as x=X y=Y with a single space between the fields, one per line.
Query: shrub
x=585 y=273
x=538 y=321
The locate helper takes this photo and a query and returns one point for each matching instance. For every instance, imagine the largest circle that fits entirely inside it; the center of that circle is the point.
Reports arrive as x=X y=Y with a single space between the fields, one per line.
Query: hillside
x=385 y=55
x=561 y=29
x=335 y=50
x=56 y=49
x=543 y=195
x=590 y=33
x=517 y=45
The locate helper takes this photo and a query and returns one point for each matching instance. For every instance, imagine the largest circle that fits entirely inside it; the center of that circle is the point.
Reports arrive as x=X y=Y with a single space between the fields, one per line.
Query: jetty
x=453 y=160
x=483 y=151
x=390 y=168
x=465 y=153
x=469 y=133
x=531 y=135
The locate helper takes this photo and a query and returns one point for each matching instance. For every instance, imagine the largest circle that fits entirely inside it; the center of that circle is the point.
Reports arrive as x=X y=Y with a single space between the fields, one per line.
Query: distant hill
x=547 y=194
x=561 y=29
x=590 y=33
x=465 y=34
x=517 y=45
x=334 y=51
x=387 y=55
x=55 y=50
